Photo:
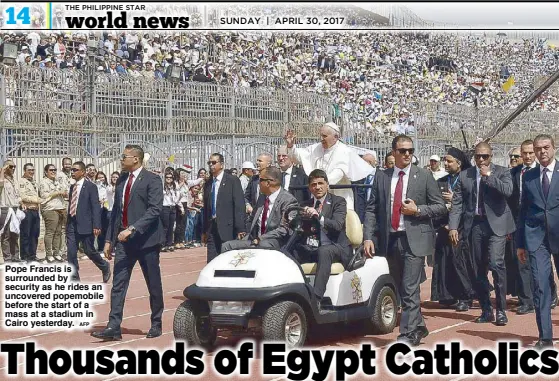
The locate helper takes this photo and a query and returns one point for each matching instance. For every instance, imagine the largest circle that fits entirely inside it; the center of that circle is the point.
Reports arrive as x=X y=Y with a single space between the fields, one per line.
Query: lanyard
x=451 y=187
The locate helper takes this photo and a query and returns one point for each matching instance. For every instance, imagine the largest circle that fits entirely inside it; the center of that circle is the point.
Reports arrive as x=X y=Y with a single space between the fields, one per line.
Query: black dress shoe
x=544 y=344
x=486 y=317
x=108 y=334
x=501 y=318
x=154 y=332
x=107 y=273
x=524 y=309
x=462 y=306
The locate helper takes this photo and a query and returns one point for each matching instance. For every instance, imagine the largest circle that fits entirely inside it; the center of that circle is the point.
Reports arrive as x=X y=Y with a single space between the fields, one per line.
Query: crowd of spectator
x=375 y=79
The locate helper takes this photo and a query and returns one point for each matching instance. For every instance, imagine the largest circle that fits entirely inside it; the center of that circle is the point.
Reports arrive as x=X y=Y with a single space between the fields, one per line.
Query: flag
x=476 y=87
x=172 y=159
x=508 y=84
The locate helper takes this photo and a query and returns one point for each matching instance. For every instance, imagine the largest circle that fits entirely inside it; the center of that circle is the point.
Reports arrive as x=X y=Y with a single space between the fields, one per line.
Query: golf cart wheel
x=192 y=329
x=285 y=321
x=385 y=314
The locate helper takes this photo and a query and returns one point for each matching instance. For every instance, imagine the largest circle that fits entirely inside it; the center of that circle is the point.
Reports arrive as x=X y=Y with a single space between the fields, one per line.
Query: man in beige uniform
x=30 y=227
x=9 y=197
x=53 y=212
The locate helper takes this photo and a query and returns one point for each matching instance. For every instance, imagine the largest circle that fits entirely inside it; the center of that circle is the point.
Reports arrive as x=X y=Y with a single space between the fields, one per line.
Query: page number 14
x=22 y=16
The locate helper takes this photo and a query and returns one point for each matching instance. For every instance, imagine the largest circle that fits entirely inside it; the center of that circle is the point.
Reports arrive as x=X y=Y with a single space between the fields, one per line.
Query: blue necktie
x=545 y=183
x=213 y=197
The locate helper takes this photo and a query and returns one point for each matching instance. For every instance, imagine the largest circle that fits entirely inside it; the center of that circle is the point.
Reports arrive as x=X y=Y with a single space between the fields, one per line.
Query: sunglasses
x=514 y=156
x=264 y=179
x=482 y=156
x=213 y=162
x=75 y=170
x=123 y=156
x=52 y=169
x=403 y=151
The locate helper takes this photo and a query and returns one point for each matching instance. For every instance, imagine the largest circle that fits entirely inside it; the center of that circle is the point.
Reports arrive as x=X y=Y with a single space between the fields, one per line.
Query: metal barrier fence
x=47 y=114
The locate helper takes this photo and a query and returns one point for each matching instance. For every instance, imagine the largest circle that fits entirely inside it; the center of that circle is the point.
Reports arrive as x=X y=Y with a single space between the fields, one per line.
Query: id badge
x=313 y=242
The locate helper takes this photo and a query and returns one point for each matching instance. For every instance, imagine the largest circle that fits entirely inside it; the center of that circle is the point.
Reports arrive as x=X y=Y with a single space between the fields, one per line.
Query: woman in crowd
x=102 y=185
x=183 y=190
x=171 y=202
x=194 y=206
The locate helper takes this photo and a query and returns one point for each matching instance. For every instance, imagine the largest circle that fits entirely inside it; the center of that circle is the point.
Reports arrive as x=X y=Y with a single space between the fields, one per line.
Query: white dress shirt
x=393 y=183
x=218 y=179
x=324 y=240
x=287 y=178
x=78 y=188
x=272 y=198
x=136 y=173
x=551 y=168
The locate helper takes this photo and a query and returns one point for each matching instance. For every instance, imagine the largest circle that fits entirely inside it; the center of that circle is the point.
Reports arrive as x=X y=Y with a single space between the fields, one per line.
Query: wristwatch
x=132 y=228
x=418 y=212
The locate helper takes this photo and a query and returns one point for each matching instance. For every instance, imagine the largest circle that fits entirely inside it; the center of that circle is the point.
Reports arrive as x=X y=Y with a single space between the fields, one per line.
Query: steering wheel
x=293 y=218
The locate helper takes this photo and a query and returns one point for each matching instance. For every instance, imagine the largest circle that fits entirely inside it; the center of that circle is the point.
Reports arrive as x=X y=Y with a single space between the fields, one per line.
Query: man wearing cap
x=293 y=177
x=435 y=167
x=341 y=164
x=247 y=173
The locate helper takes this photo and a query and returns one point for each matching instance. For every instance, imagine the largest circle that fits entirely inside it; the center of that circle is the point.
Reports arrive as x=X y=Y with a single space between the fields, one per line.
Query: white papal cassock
x=341 y=164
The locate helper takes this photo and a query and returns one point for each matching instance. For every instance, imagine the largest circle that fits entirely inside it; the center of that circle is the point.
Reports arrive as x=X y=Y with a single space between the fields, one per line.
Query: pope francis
x=342 y=164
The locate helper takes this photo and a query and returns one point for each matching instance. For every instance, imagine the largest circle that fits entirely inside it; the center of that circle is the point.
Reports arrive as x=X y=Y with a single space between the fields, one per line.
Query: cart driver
x=265 y=221
x=325 y=241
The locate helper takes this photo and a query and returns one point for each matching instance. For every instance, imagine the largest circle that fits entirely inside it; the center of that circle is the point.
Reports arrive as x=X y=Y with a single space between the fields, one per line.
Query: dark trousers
x=168 y=216
x=540 y=263
x=324 y=256
x=181 y=219
x=29 y=231
x=489 y=255
x=215 y=241
x=408 y=272
x=126 y=256
x=525 y=282
x=73 y=240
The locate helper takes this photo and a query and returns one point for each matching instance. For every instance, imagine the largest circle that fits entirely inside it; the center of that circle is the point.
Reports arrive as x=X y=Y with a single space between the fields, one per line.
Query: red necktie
x=397 y=201
x=264 y=216
x=126 y=200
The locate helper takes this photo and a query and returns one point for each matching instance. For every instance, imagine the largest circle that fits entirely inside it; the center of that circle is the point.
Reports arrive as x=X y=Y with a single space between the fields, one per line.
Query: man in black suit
x=398 y=226
x=538 y=221
x=480 y=203
x=293 y=177
x=84 y=222
x=329 y=242
x=135 y=231
x=266 y=229
x=523 y=271
x=224 y=208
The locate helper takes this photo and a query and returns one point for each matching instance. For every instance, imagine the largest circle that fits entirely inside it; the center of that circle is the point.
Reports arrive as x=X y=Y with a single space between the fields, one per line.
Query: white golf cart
x=268 y=291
